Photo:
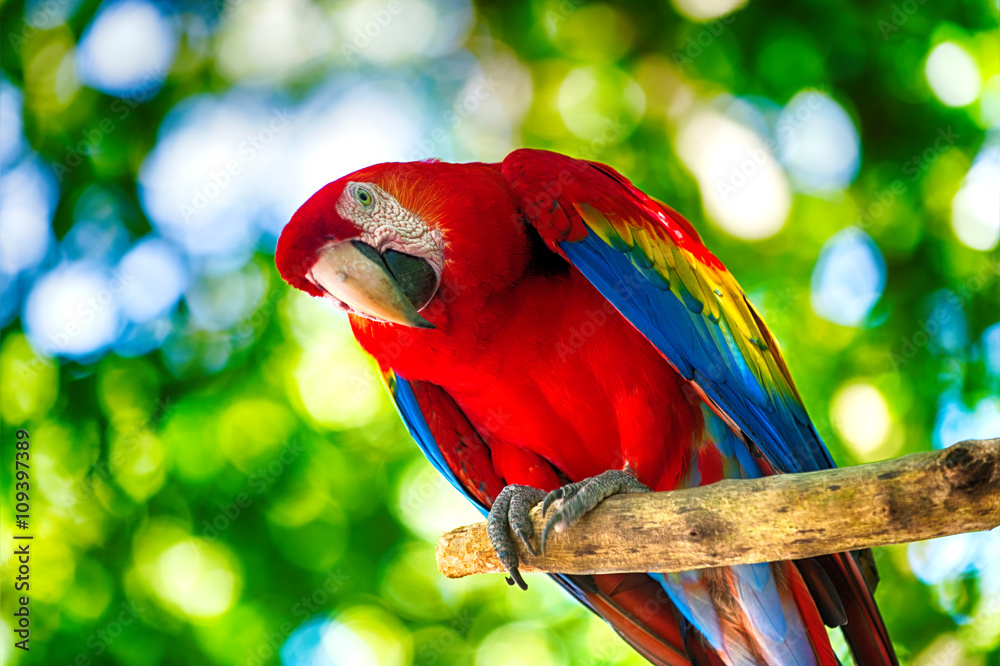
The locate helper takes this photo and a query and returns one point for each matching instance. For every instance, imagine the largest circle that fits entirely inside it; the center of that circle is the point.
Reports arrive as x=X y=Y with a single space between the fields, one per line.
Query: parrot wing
x=648 y=261
x=650 y=264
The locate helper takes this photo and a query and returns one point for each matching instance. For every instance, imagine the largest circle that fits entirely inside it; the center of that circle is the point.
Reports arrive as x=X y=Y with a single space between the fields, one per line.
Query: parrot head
x=382 y=243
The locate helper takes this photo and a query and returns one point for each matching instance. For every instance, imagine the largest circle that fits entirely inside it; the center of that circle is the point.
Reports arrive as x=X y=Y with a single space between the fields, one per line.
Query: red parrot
x=550 y=332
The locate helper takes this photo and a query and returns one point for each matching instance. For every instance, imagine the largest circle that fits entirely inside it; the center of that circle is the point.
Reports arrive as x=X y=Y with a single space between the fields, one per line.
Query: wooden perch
x=785 y=517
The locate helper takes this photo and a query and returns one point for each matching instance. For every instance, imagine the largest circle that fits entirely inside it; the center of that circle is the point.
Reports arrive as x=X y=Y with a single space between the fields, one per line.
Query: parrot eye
x=364 y=196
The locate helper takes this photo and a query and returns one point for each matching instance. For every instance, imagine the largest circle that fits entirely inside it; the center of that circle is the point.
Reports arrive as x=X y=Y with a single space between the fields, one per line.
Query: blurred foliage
x=224 y=494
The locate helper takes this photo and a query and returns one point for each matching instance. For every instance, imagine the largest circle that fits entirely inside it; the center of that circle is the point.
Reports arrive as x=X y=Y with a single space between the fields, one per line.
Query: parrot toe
x=579 y=498
x=509 y=513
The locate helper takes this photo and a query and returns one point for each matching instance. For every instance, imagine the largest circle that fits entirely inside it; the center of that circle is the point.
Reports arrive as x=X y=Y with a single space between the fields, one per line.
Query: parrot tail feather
x=753 y=614
x=811 y=616
x=748 y=614
x=640 y=612
x=865 y=631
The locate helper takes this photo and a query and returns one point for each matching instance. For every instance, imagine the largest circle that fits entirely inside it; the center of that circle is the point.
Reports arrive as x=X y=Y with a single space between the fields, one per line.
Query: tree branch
x=784 y=517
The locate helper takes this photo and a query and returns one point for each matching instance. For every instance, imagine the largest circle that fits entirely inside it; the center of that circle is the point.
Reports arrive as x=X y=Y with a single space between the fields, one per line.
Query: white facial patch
x=386 y=225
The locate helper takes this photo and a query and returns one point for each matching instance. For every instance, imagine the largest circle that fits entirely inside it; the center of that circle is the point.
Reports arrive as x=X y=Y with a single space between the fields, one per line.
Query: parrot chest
x=555 y=370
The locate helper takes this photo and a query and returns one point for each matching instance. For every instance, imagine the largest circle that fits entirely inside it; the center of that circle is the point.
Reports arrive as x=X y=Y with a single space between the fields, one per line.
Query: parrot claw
x=563 y=493
x=578 y=499
x=509 y=513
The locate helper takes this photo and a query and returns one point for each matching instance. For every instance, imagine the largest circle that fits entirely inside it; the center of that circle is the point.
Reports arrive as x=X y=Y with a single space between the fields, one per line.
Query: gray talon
x=579 y=498
x=510 y=513
x=510 y=510
x=550 y=498
x=518 y=514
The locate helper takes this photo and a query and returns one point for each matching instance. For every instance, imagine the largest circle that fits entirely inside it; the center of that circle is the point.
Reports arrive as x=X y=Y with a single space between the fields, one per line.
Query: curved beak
x=354 y=273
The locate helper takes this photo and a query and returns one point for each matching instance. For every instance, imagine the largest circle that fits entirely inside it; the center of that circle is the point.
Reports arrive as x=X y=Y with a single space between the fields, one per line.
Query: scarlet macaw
x=548 y=331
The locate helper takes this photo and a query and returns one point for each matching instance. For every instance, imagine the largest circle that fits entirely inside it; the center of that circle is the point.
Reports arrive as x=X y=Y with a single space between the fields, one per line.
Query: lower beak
x=354 y=272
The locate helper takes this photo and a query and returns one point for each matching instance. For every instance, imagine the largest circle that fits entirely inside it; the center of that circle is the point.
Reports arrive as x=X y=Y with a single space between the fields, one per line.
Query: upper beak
x=354 y=272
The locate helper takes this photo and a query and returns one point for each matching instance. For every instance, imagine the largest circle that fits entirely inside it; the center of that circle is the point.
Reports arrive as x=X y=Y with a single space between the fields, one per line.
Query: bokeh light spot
x=138 y=462
x=937 y=560
x=861 y=417
x=29 y=382
x=521 y=644
x=257 y=431
x=742 y=187
x=593 y=33
x=975 y=210
x=268 y=40
x=953 y=74
x=194 y=578
x=818 y=143
x=339 y=387
x=600 y=103
x=128 y=49
x=706 y=10
x=27 y=201
x=197 y=579
x=73 y=310
x=428 y=504
x=12 y=129
x=848 y=278
x=358 y=636
x=158 y=277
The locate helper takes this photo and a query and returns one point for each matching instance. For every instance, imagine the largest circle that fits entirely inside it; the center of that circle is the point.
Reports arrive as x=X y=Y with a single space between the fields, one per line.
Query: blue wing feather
x=413 y=417
x=703 y=352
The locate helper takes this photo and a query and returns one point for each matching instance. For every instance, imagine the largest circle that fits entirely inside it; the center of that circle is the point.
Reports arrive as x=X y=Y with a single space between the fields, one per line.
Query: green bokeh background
x=199 y=513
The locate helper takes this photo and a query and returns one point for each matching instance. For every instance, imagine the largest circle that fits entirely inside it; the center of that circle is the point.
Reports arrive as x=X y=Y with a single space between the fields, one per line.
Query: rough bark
x=785 y=517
